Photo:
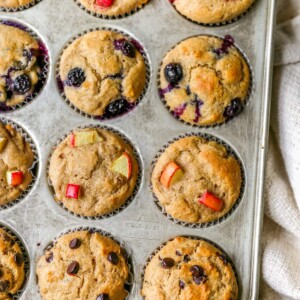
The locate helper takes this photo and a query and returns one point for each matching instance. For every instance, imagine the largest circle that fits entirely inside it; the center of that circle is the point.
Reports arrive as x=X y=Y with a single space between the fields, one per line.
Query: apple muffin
x=14 y=3
x=93 y=172
x=196 y=181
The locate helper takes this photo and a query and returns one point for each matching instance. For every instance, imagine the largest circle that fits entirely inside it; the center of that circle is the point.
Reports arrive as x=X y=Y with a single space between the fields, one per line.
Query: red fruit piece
x=14 y=178
x=72 y=191
x=104 y=3
x=211 y=201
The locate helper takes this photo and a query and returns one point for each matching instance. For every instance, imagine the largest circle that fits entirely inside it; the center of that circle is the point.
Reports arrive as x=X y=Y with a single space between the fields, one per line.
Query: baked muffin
x=14 y=3
x=112 y=8
x=12 y=267
x=205 y=80
x=93 y=172
x=188 y=269
x=103 y=73
x=16 y=157
x=19 y=68
x=211 y=11
x=83 y=265
x=196 y=180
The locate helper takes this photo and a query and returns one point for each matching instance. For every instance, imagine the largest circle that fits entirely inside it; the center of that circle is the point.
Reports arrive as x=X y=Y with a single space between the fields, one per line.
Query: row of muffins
x=203 y=12
x=86 y=264
x=203 y=80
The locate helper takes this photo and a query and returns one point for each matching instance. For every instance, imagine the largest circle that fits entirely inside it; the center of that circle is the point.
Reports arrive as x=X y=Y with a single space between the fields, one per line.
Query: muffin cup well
x=20 y=8
x=44 y=64
x=245 y=103
x=25 y=254
x=230 y=151
x=137 y=184
x=34 y=169
x=138 y=46
x=126 y=251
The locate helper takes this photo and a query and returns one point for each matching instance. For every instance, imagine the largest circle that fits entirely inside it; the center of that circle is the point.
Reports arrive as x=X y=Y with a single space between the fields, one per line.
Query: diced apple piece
x=82 y=138
x=14 y=178
x=123 y=165
x=72 y=191
x=211 y=201
x=171 y=174
x=3 y=141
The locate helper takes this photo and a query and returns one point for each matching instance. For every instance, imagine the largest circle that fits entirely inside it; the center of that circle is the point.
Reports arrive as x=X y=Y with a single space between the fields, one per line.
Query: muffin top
x=211 y=11
x=113 y=8
x=93 y=172
x=196 y=180
x=14 y=3
x=205 y=80
x=16 y=157
x=83 y=265
x=188 y=269
x=12 y=273
x=103 y=73
x=19 y=70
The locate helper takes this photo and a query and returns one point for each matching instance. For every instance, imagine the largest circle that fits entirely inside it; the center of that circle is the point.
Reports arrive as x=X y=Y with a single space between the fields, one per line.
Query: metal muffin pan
x=141 y=225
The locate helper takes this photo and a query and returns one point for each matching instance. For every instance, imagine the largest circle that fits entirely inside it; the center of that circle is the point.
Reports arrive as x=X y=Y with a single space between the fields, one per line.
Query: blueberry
x=173 y=73
x=128 y=49
x=76 y=77
x=233 y=109
x=22 y=84
x=116 y=107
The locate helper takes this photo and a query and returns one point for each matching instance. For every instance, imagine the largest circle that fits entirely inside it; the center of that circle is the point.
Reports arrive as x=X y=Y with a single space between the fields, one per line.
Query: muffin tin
x=141 y=225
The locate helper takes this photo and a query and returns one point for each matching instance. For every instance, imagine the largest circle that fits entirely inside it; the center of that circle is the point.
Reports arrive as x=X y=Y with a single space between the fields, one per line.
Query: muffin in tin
x=103 y=73
x=12 y=267
x=93 y=172
x=16 y=158
x=112 y=8
x=196 y=180
x=205 y=80
x=19 y=65
x=190 y=269
x=14 y=3
x=211 y=11
x=83 y=265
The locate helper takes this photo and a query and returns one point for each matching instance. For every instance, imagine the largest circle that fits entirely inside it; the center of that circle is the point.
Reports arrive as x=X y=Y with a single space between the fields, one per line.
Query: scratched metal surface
x=38 y=219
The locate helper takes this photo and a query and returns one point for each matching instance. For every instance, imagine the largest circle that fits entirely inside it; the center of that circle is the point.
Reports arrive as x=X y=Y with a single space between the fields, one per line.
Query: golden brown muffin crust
x=14 y=3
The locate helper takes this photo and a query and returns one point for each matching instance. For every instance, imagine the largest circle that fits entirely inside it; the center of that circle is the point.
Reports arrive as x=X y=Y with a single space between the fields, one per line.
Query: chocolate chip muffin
x=113 y=8
x=196 y=180
x=12 y=272
x=14 y=3
x=83 y=265
x=205 y=80
x=103 y=73
x=188 y=269
x=93 y=172
x=19 y=68
x=211 y=11
x=16 y=157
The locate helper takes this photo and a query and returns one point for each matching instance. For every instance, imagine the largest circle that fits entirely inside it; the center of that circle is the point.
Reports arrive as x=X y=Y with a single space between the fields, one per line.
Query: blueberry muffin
x=112 y=8
x=103 y=73
x=14 y=3
x=196 y=180
x=211 y=11
x=205 y=80
x=16 y=157
x=83 y=265
x=93 y=172
x=19 y=68
x=12 y=272
x=188 y=269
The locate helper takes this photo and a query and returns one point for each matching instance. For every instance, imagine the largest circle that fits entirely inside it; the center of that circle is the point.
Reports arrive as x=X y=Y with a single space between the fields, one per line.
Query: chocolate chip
x=4 y=285
x=223 y=257
x=186 y=258
x=181 y=284
x=167 y=263
x=49 y=258
x=199 y=280
x=103 y=297
x=73 y=268
x=19 y=259
x=75 y=243
x=113 y=258
x=1 y=273
x=196 y=271
x=178 y=253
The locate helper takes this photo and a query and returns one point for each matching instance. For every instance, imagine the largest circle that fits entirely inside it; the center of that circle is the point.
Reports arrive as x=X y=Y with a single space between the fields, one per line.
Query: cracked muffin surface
x=12 y=272
x=90 y=166
x=188 y=269
x=113 y=8
x=14 y=3
x=19 y=69
x=211 y=11
x=205 y=80
x=16 y=157
x=103 y=73
x=83 y=265
x=206 y=167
